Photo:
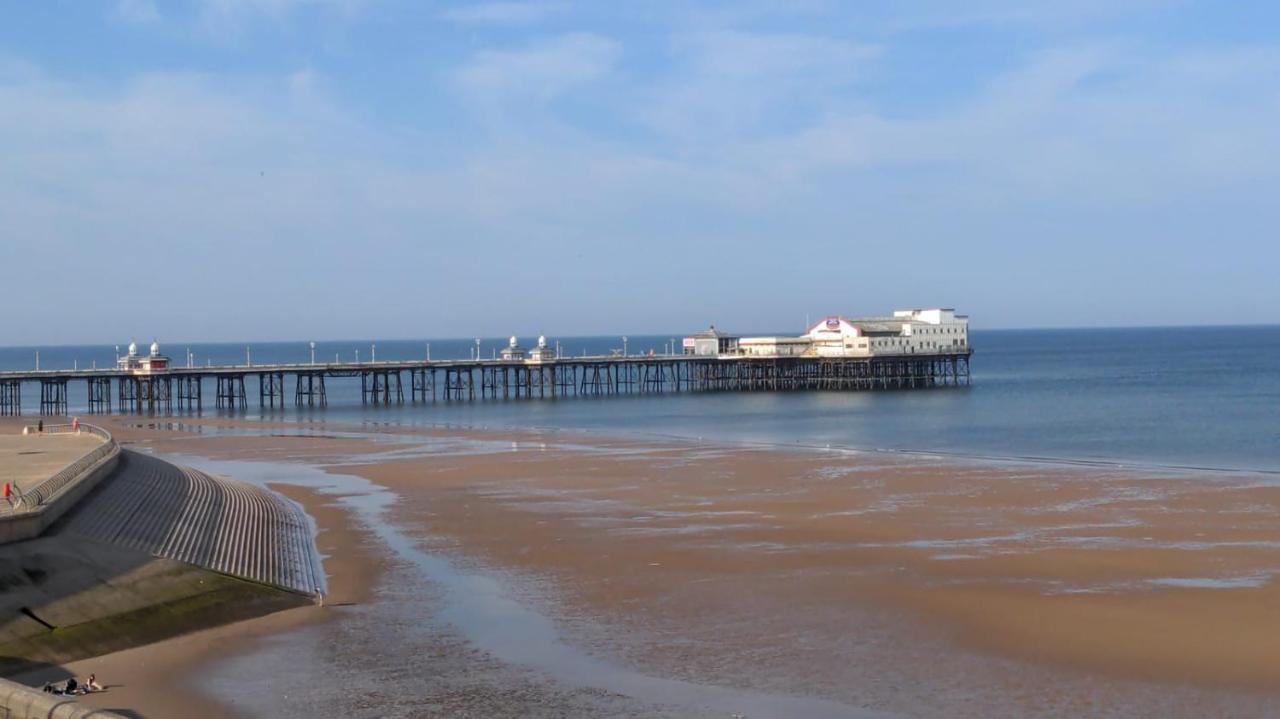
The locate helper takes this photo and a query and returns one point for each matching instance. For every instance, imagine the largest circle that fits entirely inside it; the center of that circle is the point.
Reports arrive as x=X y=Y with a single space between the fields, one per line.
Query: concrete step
x=184 y=514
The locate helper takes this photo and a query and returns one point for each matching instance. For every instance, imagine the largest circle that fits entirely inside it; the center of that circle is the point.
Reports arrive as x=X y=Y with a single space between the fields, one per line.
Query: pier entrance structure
x=910 y=349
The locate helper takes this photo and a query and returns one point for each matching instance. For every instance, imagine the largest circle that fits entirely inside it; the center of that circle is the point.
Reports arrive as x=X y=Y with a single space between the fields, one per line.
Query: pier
x=233 y=387
x=911 y=349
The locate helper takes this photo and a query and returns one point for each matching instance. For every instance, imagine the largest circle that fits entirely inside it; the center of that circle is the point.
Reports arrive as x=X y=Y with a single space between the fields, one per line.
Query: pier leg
x=309 y=390
x=10 y=398
x=53 y=396
x=231 y=393
x=189 y=388
x=99 y=395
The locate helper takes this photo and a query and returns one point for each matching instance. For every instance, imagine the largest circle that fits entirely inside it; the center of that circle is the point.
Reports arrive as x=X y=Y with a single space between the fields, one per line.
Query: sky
x=227 y=170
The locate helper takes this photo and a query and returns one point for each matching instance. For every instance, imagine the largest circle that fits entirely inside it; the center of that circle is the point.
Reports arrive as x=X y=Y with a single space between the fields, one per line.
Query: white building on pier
x=710 y=342
x=542 y=352
x=513 y=350
x=906 y=332
x=138 y=364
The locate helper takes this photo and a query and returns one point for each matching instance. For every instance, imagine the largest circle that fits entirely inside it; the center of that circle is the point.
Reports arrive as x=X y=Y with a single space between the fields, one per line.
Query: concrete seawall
x=147 y=550
x=31 y=524
x=60 y=493
x=186 y=515
x=20 y=702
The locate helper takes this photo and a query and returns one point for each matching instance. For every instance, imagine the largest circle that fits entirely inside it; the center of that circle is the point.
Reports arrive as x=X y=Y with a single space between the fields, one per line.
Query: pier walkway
x=183 y=514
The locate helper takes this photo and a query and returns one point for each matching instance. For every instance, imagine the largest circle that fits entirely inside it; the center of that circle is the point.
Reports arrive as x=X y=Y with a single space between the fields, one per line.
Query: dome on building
x=512 y=342
x=133 y=348
x=155 y=348
x=542 y=341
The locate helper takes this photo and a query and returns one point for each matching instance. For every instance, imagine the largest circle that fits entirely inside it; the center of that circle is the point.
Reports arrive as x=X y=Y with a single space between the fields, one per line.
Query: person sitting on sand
x=71 y=686
x=91 y=684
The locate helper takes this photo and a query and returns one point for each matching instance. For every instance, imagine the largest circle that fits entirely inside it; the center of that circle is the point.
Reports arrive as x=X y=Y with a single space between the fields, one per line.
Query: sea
x=1179 y=397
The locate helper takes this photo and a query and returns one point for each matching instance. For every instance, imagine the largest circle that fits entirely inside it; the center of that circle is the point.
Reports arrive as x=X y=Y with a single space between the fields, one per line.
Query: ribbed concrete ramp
x=183 y=514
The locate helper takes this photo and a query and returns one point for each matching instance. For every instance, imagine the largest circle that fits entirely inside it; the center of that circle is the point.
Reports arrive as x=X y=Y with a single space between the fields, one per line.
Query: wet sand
x=914 y=585
x=774 y=569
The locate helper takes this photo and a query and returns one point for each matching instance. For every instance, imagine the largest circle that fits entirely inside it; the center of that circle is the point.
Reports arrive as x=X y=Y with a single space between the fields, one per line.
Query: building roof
x=712 y=333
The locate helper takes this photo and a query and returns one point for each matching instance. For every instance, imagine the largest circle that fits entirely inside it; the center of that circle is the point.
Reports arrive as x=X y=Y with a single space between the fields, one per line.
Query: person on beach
x=91 y=684
x=71 y=686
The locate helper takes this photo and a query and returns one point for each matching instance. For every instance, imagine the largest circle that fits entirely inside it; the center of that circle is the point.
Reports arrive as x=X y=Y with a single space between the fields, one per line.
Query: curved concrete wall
x=22 y=702
x=218 y=523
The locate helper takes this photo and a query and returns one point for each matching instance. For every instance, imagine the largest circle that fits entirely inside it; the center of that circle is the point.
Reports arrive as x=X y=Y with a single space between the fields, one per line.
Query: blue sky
x=270 y=169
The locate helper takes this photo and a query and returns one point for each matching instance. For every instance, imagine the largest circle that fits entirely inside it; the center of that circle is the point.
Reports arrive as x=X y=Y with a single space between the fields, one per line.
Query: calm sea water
x=1203 y=396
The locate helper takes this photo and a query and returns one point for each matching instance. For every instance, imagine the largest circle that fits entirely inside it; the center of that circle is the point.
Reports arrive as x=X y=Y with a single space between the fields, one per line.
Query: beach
x=543 y=359
x=642 y=576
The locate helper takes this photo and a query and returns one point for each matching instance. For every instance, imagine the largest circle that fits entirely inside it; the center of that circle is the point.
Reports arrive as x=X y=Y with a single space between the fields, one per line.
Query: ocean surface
x=1206 y=397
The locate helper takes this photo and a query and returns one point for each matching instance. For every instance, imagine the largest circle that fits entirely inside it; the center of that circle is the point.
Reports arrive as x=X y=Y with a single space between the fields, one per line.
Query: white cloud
x=540 y=72
x=228 y=19
x=1093 y=126
x=138 y=12
x=504 y=13
x=1036 y=13
x=275 y=8
x=734 y=84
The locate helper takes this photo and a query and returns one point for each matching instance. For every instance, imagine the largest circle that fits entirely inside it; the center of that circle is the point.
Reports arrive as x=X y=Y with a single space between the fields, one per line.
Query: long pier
x=385 y=383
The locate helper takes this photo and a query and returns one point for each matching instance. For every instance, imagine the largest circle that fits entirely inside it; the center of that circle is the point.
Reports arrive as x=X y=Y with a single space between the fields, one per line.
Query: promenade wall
x=22 y=702
x=49 y=500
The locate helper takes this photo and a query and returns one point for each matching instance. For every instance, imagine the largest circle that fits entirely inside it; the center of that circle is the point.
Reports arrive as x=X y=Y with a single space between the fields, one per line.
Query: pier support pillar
x=271 y=390
x=53 y=396
x=309 y=390
x=458 y=383
x=10 y=398
x=154 y=393
x=99 y=395
x=230 y=392
x=190 y=392
x=422 y=384
x=381 y=387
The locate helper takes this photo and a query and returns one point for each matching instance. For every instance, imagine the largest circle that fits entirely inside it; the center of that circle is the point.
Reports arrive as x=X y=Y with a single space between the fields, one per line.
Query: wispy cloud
x=1091 y=127
x=505 y=13
x=138 y=12
x=734 y=83
x=228 y=19
x=920 y=14
x=539 y=72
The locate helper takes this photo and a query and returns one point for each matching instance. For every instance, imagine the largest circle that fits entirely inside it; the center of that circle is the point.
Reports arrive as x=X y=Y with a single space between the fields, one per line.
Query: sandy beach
x=911 y=585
